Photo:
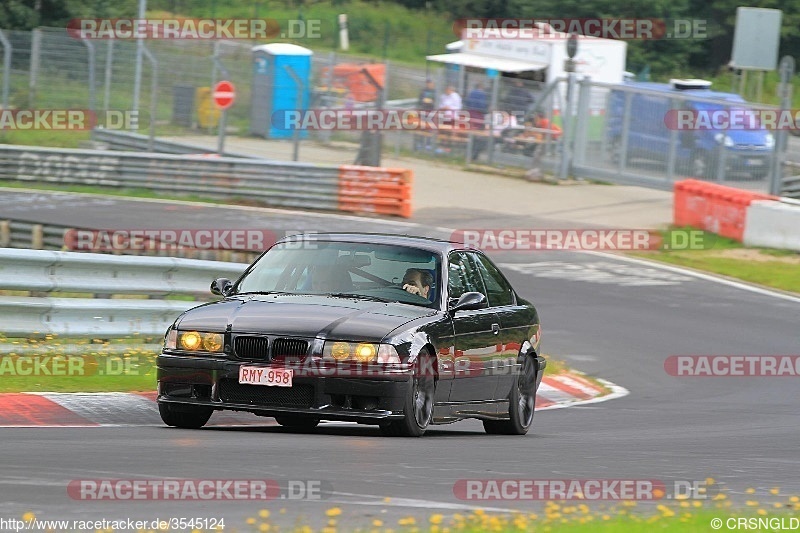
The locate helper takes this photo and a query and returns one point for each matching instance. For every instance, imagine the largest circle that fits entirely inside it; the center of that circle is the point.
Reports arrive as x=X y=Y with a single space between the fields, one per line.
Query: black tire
x=521 y=404
x=297 y=422
x=184 y=416
x=418 y=408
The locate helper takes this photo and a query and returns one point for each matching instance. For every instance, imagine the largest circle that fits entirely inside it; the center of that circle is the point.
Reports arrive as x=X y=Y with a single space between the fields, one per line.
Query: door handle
x=495 y=328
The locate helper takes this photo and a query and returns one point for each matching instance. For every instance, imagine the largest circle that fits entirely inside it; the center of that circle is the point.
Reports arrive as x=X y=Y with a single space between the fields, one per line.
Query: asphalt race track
x=612 y=318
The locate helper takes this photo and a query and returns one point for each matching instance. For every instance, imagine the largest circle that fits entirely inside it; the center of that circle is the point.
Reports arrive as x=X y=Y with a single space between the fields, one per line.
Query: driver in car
x=417 y=281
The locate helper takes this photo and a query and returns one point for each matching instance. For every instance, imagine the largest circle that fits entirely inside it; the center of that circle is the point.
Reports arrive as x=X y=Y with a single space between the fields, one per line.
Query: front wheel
x=184 y=416
x=521 y=404
x=418 y=408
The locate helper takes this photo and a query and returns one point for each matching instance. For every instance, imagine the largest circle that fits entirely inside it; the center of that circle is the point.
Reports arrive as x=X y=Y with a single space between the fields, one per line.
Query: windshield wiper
x=360 y=296
x=262 y=292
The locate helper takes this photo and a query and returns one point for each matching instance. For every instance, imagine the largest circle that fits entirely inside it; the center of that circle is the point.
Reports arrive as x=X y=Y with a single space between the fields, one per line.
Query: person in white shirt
x=450 y=101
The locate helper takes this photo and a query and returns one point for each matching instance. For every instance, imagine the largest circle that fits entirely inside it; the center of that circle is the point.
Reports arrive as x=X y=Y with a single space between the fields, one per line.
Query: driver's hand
x=413 y=289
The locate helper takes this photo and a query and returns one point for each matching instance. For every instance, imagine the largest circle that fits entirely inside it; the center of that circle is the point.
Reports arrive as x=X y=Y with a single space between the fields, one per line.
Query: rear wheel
x=184 y=416
x=418 y=409
x=297 y=422
x=521 y=403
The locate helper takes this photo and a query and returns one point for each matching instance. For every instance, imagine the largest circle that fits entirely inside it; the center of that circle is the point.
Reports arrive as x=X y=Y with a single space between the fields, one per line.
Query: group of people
x=516 y=102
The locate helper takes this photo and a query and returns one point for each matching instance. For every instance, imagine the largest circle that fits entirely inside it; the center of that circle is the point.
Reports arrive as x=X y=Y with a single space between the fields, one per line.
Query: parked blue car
x=698 y=151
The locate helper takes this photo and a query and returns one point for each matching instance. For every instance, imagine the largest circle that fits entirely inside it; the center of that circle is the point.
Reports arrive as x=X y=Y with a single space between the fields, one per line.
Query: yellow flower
x=751 y=491
x=29 y=516
x=250 y=521
x=407 y=521
x=697 y=503
x=436 y=519
x=774 y=491
x=264 y=528
x=710 y=481
x=328 y=530
x=794 y=499
x=377 y=523
x=333 y=511
x=777 y=505
x=751 y=503
x=762 y=512
x=263 y=513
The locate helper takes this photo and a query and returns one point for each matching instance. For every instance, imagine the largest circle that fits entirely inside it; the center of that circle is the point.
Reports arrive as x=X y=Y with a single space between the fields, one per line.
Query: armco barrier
x=278 y=184
x=386 y=191
x=713 y=207
x=773 y=225
x=43 y=271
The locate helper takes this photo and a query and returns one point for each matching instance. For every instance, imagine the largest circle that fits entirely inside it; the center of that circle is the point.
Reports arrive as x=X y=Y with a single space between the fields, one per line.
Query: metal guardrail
x=791 y=184
x=273 y=183
x=45 y=236
x=47 y=272
x=135 y=142
x=282 y=184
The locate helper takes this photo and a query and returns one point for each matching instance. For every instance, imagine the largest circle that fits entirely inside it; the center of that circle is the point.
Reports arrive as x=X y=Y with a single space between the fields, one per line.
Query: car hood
x=303 y=316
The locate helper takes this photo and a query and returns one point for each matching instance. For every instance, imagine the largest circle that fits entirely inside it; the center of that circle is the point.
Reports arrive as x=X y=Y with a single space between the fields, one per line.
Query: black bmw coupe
x=401 y=332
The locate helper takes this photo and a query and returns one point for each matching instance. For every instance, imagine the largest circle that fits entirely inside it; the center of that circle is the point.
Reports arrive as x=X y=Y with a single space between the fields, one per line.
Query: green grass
x=778 y=273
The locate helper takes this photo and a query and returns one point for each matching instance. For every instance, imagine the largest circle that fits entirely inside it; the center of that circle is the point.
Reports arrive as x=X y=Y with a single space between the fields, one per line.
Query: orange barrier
x=385 y=191
x=713 y=207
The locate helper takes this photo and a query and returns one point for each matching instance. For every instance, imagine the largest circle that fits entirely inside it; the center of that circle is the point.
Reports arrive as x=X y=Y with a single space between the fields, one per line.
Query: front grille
x=301 y=396
x=282 y=348
x=255 y=348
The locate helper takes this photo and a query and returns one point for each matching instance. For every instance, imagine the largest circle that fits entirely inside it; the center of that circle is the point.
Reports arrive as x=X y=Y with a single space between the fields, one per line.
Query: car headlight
x=360 y=352
x=194 y=341
x=724 y=139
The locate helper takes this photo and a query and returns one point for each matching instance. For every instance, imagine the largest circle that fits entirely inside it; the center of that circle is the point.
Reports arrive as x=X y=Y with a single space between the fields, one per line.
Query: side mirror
x=221 y=286
x=469 y=301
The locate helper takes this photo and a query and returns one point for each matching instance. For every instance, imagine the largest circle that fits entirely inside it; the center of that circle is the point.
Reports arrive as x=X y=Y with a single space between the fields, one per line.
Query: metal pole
x=296 y=133
x=6 y=68
x=787 y=69
x=90 y=49
x=490 y=115
x=153 y=97
x=224 y=116
x=566 y=135
x=137 y=74
x=36 y=47
x=109 y=67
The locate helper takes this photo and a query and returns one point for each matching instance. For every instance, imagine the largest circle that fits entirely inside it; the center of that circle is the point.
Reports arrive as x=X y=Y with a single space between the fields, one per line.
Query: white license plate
x=260 y=375
x=756 y=162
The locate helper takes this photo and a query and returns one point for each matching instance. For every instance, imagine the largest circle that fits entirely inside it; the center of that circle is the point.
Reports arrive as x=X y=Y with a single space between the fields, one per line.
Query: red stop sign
x=224 y=94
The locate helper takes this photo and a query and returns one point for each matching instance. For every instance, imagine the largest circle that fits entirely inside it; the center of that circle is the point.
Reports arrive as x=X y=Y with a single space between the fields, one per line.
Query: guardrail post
x=153 y=96
x=5 y=233
x=37 y=237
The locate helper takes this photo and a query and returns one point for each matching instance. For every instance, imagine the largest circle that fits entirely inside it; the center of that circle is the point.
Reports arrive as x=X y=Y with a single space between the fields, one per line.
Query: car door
x=514 y=323
x=476 y=332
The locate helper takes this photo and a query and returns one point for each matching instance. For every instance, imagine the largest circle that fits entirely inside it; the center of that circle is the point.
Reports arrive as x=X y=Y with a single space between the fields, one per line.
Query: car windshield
x=350 y=270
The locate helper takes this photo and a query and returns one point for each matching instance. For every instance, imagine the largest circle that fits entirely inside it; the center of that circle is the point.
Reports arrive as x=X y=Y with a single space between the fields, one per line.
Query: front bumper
x=214 y=382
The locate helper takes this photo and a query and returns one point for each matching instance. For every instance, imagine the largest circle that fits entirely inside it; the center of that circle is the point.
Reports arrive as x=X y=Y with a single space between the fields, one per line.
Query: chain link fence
x=618 y=133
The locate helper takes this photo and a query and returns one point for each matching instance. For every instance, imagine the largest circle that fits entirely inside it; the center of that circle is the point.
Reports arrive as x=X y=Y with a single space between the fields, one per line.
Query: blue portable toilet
x=275 y=90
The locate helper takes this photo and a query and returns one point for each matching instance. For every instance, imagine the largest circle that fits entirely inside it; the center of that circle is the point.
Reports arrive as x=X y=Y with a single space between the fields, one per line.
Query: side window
x=498 y=291
x=462 y=276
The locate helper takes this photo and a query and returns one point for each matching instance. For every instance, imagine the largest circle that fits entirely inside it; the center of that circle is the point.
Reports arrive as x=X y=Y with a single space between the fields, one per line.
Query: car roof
x=424 y=243
x=667 y=88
